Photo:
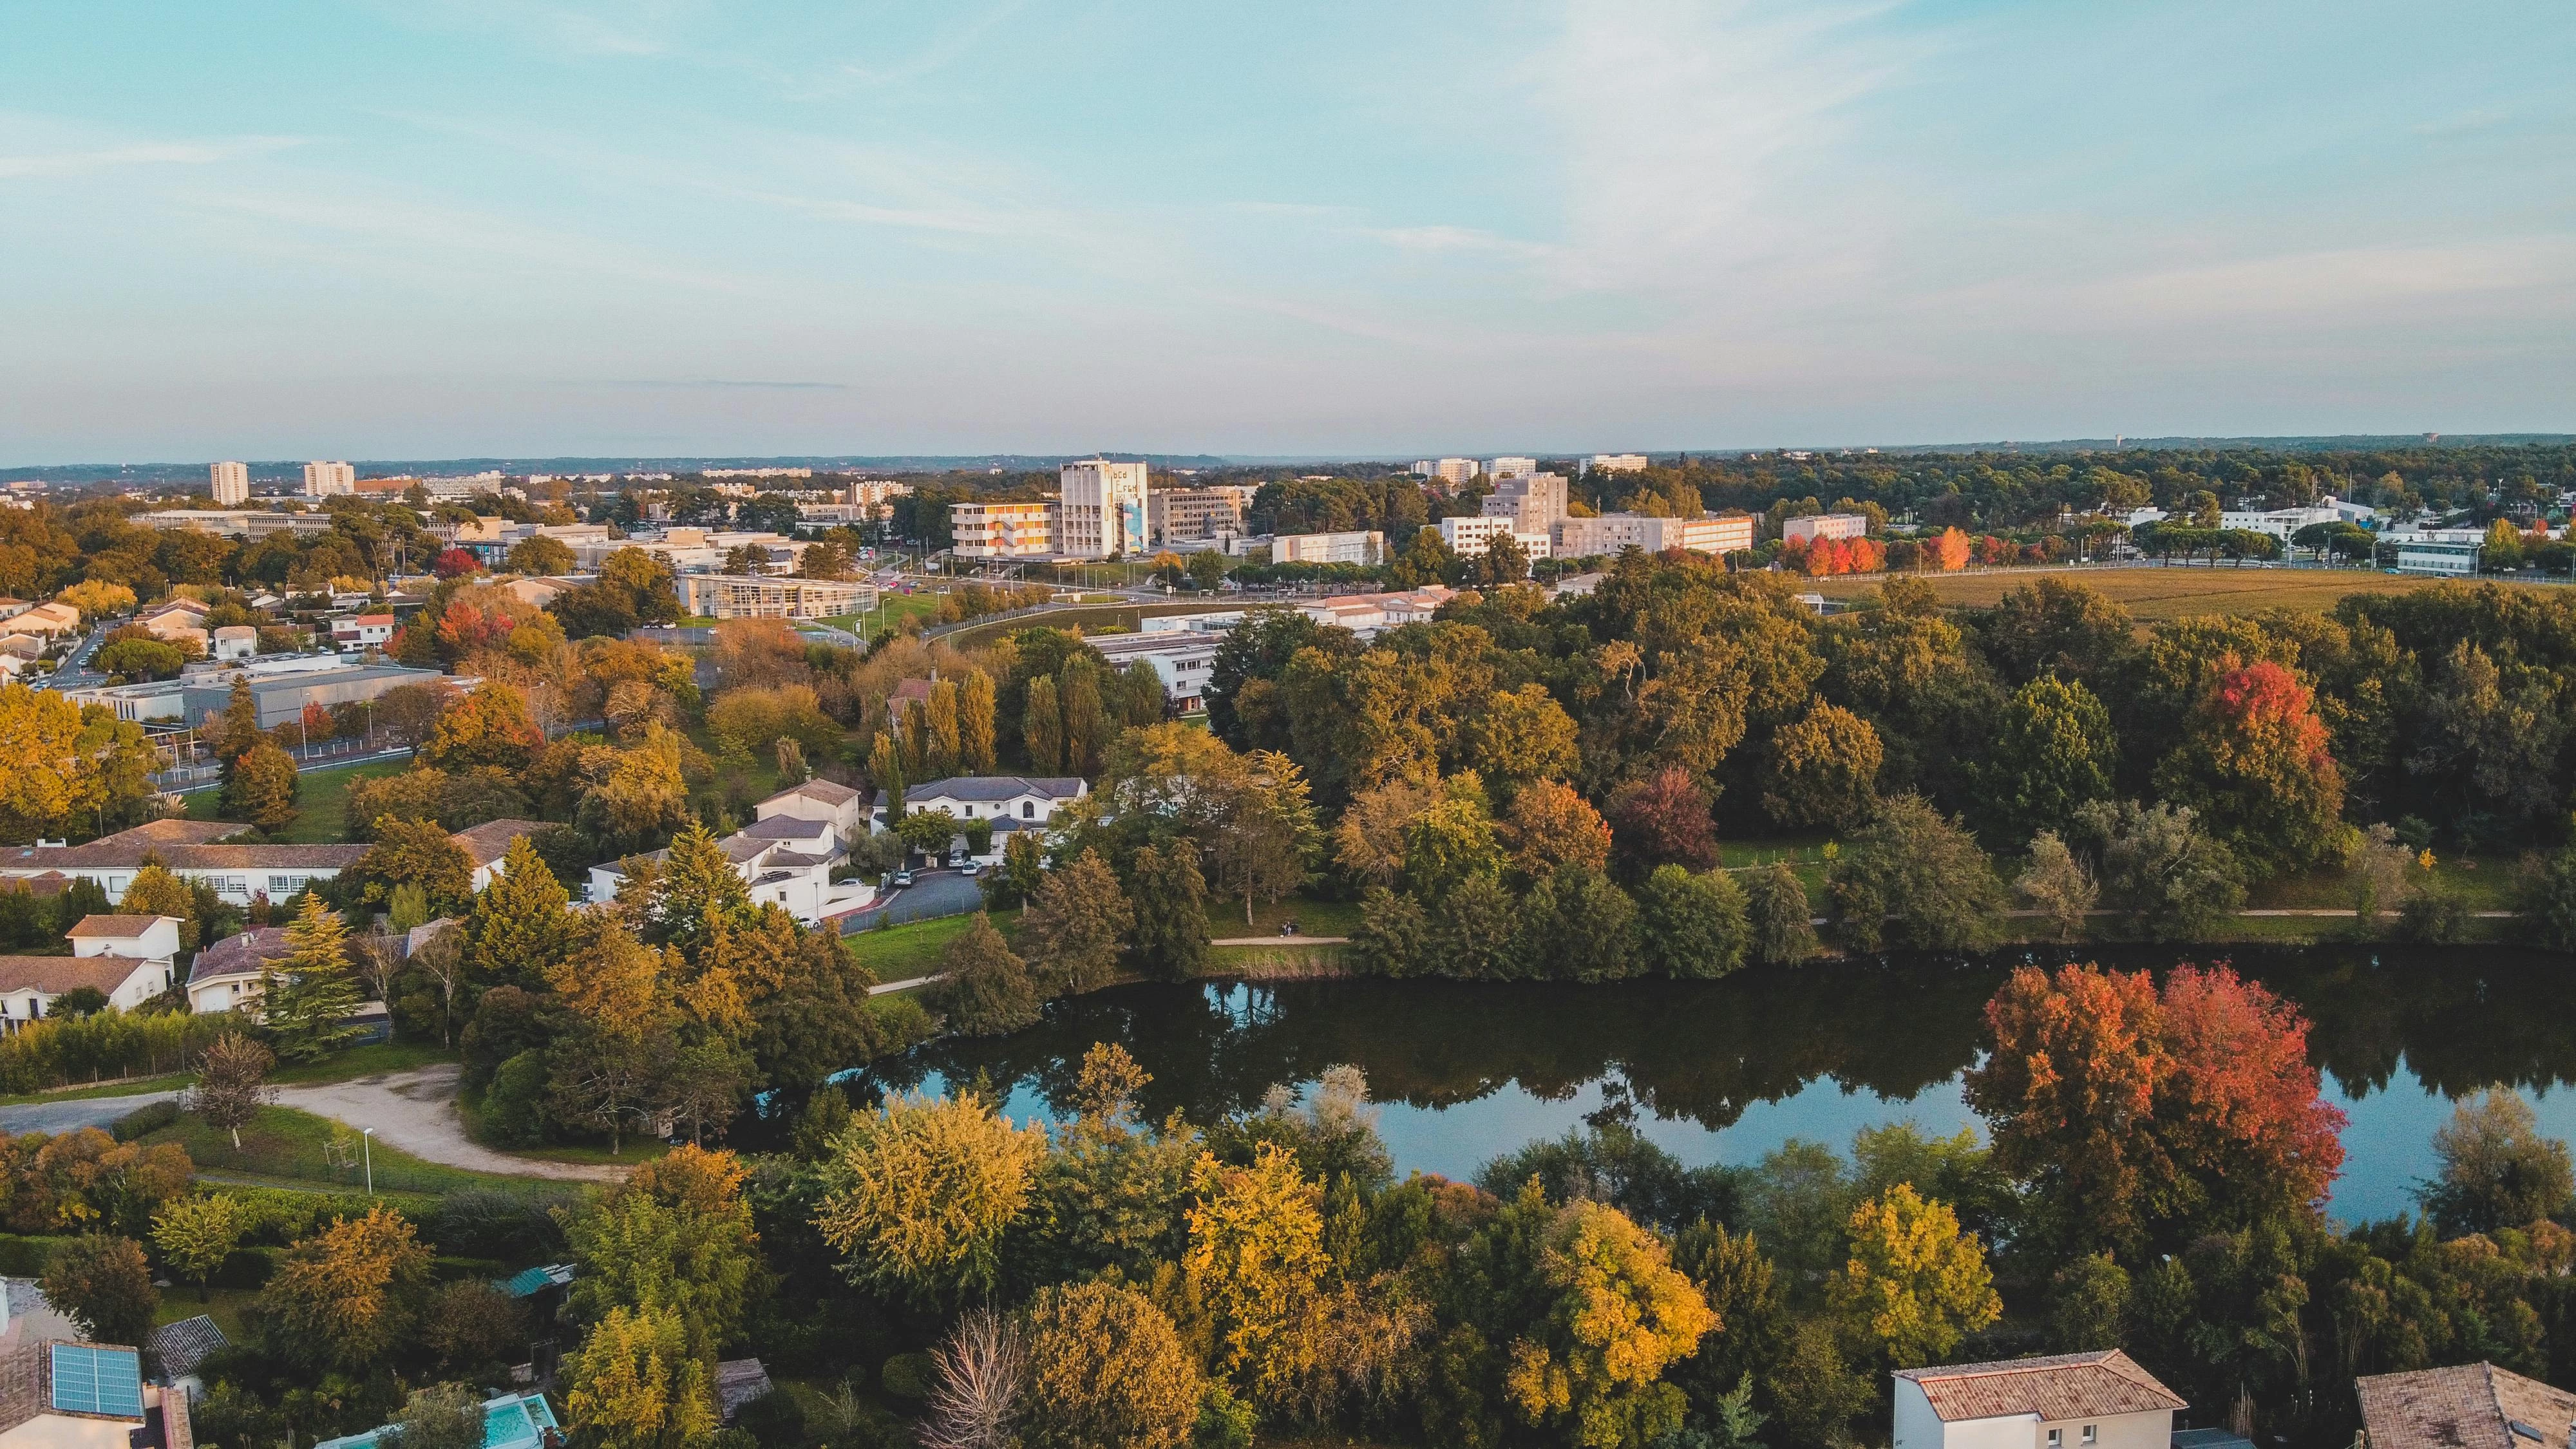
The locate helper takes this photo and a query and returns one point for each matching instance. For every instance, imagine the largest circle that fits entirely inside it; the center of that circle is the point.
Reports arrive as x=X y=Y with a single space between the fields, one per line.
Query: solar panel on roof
x=97 y=1380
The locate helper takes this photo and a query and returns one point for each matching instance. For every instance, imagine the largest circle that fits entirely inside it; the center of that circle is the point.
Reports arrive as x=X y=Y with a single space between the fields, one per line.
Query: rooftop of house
x=180 y=844
x=983 y=789
x=788 y=827
x=827 y=791
x=2468 y=1406
x=490 y=840
x=241 y=955
x=180 y=1347
x=738 y=1382
x=115 y=928
x=2062 y=1386
x=54 y=975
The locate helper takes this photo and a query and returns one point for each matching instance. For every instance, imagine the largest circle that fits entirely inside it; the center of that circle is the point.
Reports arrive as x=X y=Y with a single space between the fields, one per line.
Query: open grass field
x=295 y=1149
x=2170 y=593
x=900 y=953
x=321 y=801
x=1313 y=917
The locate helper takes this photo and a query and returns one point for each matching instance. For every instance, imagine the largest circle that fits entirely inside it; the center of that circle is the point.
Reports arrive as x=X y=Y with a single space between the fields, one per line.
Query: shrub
x=907 y=1376
x=149 y=1118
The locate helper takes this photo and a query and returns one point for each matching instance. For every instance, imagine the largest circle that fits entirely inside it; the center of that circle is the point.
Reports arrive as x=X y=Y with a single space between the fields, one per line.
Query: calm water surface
x=1724 y=1072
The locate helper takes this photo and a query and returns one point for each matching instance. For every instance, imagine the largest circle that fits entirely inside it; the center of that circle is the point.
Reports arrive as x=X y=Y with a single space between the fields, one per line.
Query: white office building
x=321 y=480
x=1816 y=527
x=1502 y=468
x=1618 y=462
x=1474 y=537
x=1358 y=547
x=1103 y=509
x=1612 y=533
x=1452 y=471
x=232 y=483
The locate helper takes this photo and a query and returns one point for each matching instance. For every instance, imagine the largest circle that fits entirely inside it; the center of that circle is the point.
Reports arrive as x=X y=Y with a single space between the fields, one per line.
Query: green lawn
x=224 y=1305
x=912 y=949
x=290 y=1148
x=322 y=802
x=1313 y=917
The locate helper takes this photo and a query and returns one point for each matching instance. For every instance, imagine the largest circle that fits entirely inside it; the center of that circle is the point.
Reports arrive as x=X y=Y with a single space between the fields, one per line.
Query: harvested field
x=2171 y=593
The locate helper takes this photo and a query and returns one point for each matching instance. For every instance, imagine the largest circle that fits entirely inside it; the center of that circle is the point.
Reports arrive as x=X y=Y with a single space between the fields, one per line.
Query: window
x=2056 y=1439
x=1028 y=810
x=281 y=886
x=229 y=885
x=2089 y=1435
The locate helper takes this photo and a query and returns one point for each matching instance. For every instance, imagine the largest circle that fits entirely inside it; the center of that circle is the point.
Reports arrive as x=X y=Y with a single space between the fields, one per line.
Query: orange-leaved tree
x=2254 y=761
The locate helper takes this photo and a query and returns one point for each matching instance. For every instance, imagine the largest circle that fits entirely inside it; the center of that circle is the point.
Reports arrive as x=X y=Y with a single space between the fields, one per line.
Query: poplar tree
x=1042 y=727
x=975 y=723
x=1085 y=727
x=942 y=746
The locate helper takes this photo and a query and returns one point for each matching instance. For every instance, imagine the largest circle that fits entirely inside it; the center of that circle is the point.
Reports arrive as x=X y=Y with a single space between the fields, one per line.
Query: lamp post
x=367 y=1141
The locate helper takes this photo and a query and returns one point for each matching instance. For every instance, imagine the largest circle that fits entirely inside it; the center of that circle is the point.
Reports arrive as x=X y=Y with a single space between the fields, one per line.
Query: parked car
x=899 y=879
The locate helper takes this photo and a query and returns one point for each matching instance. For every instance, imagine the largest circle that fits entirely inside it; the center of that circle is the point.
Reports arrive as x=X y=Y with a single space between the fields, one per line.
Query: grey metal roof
x=985 y=789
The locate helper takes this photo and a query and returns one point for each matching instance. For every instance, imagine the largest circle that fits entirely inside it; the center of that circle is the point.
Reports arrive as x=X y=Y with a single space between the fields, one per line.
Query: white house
x=2099 y=1400
x=835 y=805
x=226 y=976
x=364 y=631
x=190 y=849
x=127 y=959
x=489 y=842
x=783 y=862
x=1019 y=799
x=153 y=939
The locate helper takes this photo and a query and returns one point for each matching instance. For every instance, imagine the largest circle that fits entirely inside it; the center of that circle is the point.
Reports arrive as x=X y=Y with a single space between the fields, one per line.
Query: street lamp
x=367 y=1141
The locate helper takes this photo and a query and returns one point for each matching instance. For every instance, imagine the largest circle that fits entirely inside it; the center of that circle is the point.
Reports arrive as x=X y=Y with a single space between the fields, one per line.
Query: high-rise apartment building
x=1103 y=508
x=1502 y=468
x=232 y=483
x=321 y=480
x=1535 y=501
x=1452 y=471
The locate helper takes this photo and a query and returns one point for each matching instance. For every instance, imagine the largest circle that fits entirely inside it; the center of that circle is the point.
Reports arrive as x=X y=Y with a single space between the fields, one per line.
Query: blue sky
x=424 y=228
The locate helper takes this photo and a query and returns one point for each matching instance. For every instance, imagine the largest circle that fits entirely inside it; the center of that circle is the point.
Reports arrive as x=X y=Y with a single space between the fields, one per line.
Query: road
x=74 y=671
x=71 y=1115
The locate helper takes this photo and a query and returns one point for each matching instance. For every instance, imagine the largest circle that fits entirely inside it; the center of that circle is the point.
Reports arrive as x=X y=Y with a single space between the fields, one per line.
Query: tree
x=1106 y=1370
x=1692 y=925
x=2176 y=883
x=2091 y=1305
x=2497 y=1171
x=98 y=597
x=197 y=1234
x=2052 y=751
x=231 y=1083
x=489 y=726
x=2254 y=762
x=1170 y=899
x=986 y=990
x=306 y=998
x=1577 y=925
x=634 y=1385
x=1255 y=1254
x=443 y=1416
x=343 y=1296
x=677 y=1237
x=1664 y=819
x=1519 y=736
x=1042 y=727
x=983 y=1370
x=1915 y=1283
x=1948 y=550
x=522 y=924
x=1086 y=725
x=928 y=832
x=975 y=708
x=2548 y=899
x=261 y=787
x=1075 y=926
x=1548 y=825
x=1823 y=770
x=156 y=892
x=103 y=1283
x=420 y=853
x=2058 y=885
x=1617 y=1312
x=1264 y=834
x=920 y=1192
x=1916 y=878
x=1776 y=910
x=539 y=556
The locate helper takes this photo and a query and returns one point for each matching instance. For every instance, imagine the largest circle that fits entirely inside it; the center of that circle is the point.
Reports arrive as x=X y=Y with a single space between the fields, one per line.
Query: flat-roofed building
x=1003 y=530
x=1816 y=527
x=1187 y=515
x=1619 y=463
x=763 y=596
x=1103 y=508
x=282 y=696
x=321 y=480
x=1367 y=547
x=1534 y=501
x=1502 y=468
x=1183 y=659
x=231 y=482
x=1474 y=537
x=1452 y=471
x=1613 y=532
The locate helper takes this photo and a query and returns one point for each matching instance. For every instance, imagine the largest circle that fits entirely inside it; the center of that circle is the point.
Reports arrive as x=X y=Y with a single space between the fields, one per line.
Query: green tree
x=1521 y=735
x=1617 y=1313
x=2549 y=899
x=420 y=853
x=1692 y=925
x=196 y=1235
x=2496 y=1171
x=1394 y=936
x=1823 y=770
x=1086 y=726
x=1106 y=1370
x=1781 y=921
x=307 y=997
x=1915 y=1283
x=1042 y=727
x=2089 y=1305
x=2057 y=885
x=1914 y=877
x=261 y=787
x=1170 y=899
x=1075 y=926
x=676 y=1236
x=2175 y=882
x=522 y=924
x=928 y=832
x=2254 y=762
x=539 y=556
x=1577 y=925
x=975 y=709
x=920 y=1193
x=986 y=990
x=2052 y=750
x=102 y=1282
x=443 y=1416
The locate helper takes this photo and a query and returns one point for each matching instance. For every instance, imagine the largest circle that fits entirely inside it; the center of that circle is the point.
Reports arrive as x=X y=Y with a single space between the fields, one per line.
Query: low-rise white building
x=127 y=959
x=1618 y=462
x=784 y=860
x=2100 y=1400
x=1368 y=615
x=1474 y=537
x=227 y=975
x=1014 y=802
x=762 y=596
x=1183 y=659
x=1358 y=547
x=833 y=804
x=1818 y=526
x=191 y=850
x=1612 y=533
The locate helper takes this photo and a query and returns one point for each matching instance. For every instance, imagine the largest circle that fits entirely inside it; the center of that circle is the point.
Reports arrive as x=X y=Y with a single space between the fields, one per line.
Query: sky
x=444 y=228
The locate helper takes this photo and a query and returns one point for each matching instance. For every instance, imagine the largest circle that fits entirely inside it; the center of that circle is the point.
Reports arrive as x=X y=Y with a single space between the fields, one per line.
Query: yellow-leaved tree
x=1915 y=1284
x=634 y=1384
x=1621 y=1313
x=1255 y=1258
x=921 y=1191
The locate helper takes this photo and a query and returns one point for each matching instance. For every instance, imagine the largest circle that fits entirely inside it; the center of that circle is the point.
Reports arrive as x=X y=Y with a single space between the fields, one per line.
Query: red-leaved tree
x=1664 y=819
x=2255 y=762
x=2138 y=1119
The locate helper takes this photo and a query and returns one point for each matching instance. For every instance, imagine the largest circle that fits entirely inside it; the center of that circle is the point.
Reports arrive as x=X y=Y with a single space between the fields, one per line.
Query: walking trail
x=415 y=1110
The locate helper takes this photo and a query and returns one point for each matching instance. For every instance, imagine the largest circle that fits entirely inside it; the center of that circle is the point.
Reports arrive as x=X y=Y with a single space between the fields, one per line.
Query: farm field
x=2152 y=594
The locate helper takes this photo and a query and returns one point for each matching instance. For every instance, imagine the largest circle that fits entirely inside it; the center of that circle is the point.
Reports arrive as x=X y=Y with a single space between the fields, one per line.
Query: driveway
x=71 y=1115
x=933 y=893
x=416 y=1111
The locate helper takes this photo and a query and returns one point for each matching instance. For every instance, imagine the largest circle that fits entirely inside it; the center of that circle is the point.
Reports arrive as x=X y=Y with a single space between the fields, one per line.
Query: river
x=1726 y=1071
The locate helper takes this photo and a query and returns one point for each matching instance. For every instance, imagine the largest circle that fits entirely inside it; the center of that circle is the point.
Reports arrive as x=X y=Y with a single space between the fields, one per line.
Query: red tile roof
x=2064 y=1386
x=2469 y=1406
x=115 y=927
x=54 y=975
x=490 y=840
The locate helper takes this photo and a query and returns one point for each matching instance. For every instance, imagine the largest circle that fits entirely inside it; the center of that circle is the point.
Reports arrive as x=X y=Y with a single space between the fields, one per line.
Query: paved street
x=933 y=893
x=56 y=1118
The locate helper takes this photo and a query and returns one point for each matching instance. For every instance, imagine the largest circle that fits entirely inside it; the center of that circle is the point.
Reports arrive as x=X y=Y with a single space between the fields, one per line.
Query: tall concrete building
x=1534 y=500
x=321 y=480
x=1452 y=471
x=1103 y=509
x=1191 y=515
x=1502 y=468
x=232 y=483
x=1618 y=462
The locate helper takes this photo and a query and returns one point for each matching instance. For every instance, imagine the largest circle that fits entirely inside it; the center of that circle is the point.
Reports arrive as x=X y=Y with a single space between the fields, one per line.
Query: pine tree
x=260 y=787
x=522 y=924
x=239 y=731
x=1042 y=727
x=698 y=887
x=975 y=722
x=1171 y=911
x=307 y=998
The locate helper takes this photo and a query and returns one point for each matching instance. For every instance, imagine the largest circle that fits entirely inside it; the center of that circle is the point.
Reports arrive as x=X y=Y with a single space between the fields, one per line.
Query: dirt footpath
x=416 y=1111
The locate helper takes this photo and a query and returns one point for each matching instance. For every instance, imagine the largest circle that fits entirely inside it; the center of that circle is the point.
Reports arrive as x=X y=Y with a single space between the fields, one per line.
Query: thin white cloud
x=1462 y=239
x=162 y=153
x=941 y=53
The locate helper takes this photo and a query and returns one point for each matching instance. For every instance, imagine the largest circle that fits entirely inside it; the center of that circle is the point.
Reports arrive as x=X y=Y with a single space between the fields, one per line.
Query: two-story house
x=1011 y=802
x=834 y=805
x=127 y=959
x=2100 y=1400
x=2466 y=1406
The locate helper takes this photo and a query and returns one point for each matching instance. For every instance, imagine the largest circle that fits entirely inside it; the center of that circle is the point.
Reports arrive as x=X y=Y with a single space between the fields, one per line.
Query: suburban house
x=2100 y=1400
x=234 y=643
x=2467 y=1406
x=47 y=619
x=59 y=1392
x=783 y=861
x=512 y=1421
x=1022 y=801
x=488 y=842
x=226 y=975
x=363 y=631
x=29 y=985
x=190 y=849
x=153 y=940
x=837 y=806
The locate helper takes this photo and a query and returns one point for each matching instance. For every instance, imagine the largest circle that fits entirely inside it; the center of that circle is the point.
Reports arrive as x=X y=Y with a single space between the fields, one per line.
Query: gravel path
x=416 y=1111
